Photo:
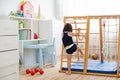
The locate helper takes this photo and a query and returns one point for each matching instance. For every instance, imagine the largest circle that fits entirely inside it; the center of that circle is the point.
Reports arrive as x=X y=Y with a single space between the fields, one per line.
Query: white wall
x=91 y=7
x=8 y=5
x=47 y=7
x=58 y=9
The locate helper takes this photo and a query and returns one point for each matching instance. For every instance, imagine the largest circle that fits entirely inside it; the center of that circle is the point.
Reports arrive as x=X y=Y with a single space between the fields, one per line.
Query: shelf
x=24 y=28
x=33 y=40
x=24 y=18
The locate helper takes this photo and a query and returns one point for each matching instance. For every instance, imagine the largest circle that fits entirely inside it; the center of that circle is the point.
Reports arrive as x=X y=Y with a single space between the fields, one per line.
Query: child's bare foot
x=68 y=73
x=81 y=52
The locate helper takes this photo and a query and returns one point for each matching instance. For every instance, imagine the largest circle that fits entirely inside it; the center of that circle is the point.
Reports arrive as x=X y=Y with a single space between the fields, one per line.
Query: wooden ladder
x=75 y=21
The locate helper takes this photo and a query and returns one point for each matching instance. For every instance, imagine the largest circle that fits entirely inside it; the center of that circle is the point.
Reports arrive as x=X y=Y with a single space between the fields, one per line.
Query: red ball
x=32 y=72
x=36 y=70
x=94 y=56
x=28 y=71
x=41 y=71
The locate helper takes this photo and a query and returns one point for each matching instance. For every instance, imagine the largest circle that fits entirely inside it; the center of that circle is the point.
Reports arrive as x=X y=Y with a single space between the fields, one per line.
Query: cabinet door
x=9 y=77
x=8 y=58
x=8 y=42
x=8 y=27
x=9 y=72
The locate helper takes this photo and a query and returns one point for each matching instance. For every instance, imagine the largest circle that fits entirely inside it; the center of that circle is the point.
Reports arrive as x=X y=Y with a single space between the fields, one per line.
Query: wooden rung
x=81 y=29
x=111 y=32
x=94 y=33
x=110 y=41
x=112 y=25
x=72 y=54
x=94 y=48
x=81 y=42
x=81 y=35
x=77 y=22
x=75 y=54
x=76 y=17
x=109 y=47
x=80 y=22
x=74 y=62
x=94 y=17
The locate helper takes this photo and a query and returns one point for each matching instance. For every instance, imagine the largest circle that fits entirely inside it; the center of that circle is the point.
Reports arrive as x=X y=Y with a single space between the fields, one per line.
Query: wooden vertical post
x=62 y=52
x=87 y=45
x=76 y=39
x=101 y=38
x=118 y=64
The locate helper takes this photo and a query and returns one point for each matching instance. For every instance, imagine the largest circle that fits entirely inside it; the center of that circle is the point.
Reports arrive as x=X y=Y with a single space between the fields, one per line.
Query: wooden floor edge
x=90 y=73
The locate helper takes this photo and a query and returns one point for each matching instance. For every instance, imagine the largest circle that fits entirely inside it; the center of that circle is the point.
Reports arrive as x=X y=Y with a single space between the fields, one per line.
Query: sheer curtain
x=90 y=7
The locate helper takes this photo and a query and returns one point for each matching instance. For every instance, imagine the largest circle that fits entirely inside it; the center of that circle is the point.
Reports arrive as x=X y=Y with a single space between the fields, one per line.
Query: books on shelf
x=24 y=34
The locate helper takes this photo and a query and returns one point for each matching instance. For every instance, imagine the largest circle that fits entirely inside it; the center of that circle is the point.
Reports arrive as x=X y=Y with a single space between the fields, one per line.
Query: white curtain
x=58 y=9
x=91 y=7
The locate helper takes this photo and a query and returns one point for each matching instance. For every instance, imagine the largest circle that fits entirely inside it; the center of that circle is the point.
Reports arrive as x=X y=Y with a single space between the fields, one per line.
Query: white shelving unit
x=46 y=29
x=25 y=25
x=9 y=51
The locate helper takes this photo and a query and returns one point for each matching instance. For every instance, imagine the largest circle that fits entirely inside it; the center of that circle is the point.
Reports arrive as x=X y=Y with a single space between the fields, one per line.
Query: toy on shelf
x=27 y=9
x=23 y=1
x=11 y=13
x=36 y=36
x=20 y=13
x=39 y=11
x=24 y=34
x=21 y=24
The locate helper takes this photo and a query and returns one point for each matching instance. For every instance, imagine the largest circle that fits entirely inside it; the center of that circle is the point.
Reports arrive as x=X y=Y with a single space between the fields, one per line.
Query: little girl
x=69 y=45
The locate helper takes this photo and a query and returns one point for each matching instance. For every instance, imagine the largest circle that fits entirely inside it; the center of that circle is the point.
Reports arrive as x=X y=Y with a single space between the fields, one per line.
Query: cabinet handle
x=8 y=50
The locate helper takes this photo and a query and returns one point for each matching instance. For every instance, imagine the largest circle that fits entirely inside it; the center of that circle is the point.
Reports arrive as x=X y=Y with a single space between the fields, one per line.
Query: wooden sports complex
x=100 y=34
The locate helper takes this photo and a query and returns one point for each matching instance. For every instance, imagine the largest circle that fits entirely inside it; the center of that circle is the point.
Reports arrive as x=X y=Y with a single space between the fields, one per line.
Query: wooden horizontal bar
x=94 y=33
x=106 y=25
x=111 y=32
x=72 y=54
x=95 y=74
x=74 y=62
x=79 y=42
x=94 y=17
x=110 y=41
x=75 y=22
x=94 y=48
x=80 y=29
